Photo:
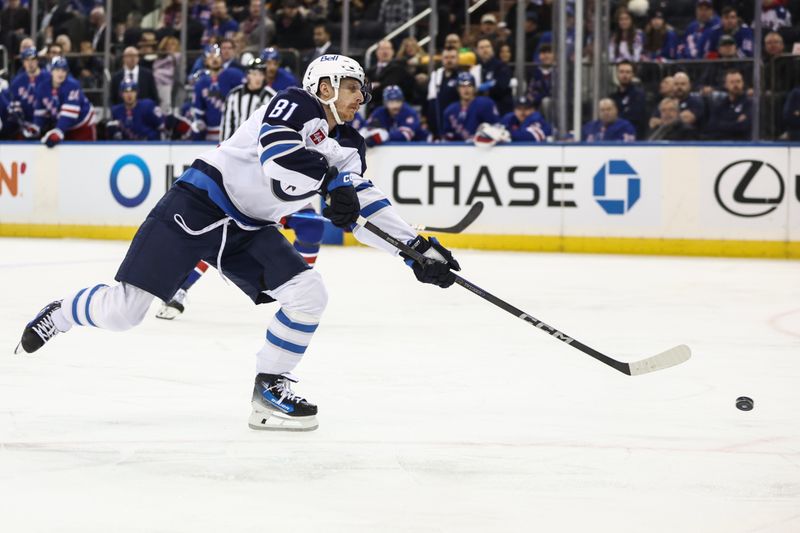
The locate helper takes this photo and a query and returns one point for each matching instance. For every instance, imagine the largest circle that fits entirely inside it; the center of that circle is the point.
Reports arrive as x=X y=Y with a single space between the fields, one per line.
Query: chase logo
x=144 y=172
x=617 y=170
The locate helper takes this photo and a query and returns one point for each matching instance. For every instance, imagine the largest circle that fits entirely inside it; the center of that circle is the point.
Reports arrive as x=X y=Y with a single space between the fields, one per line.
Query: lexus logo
x=749 y=188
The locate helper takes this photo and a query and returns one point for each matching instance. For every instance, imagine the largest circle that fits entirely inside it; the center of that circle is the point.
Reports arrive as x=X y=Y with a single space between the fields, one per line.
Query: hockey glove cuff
x=439 y=269
x=53 y=137
x=343 y=206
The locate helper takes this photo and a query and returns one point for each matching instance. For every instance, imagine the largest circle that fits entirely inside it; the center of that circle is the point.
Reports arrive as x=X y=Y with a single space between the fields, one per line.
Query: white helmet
x=335 y=68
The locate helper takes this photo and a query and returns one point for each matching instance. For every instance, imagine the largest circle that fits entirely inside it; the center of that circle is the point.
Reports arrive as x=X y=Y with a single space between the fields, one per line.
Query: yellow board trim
x=618 y=245
x=522 y=243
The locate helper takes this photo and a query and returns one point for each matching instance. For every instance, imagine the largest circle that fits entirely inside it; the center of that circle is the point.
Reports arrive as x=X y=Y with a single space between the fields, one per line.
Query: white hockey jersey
x=276 y=160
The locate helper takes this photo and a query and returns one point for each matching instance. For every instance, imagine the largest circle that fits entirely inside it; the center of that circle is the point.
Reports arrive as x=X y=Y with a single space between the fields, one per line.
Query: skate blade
x=19 y=349
x=272 y=421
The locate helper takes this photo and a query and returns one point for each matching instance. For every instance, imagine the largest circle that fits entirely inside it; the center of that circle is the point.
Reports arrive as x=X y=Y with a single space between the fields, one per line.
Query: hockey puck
x=743 y=403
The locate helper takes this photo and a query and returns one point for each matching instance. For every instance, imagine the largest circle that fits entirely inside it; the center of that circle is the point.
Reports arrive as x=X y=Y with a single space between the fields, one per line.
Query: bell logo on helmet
x=328 y=58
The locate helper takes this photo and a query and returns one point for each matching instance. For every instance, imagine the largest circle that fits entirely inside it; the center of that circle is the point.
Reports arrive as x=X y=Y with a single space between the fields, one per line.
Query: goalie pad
x=487 y=135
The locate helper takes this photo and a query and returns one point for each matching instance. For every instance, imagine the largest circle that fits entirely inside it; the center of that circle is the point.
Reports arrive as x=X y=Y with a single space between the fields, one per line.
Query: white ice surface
x=438 y=411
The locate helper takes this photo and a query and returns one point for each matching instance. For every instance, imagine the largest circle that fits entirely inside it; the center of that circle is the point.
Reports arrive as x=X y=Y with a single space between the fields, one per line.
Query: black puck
x=743 y=403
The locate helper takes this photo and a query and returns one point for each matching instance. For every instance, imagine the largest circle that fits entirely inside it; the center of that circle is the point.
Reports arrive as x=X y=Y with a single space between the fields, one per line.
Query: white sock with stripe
x=117 y=308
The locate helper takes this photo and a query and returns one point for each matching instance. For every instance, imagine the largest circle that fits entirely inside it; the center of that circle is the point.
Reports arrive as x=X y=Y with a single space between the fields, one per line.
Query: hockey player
x=23 y=92
x=277 y=78
x=462 y=118
x=221 y=210
x=62 y=106
x=134 y=119
x=210 y=92
x=5 y=123
x=395 y=120
x=525 y=124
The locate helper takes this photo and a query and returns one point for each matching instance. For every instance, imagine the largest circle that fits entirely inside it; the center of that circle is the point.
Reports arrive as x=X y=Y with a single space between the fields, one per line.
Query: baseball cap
x=465 y=78
x=392 y=92
x=28 y=53
x=270 y=54
x=726 y=39
x=488 y=17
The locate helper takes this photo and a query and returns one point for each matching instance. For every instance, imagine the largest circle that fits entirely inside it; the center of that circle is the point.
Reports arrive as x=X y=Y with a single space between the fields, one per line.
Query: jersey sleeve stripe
x=374 y=207
x=279 y=149
x=363 y=186
x=266 y=128
x=280 y=135
x=70 y=107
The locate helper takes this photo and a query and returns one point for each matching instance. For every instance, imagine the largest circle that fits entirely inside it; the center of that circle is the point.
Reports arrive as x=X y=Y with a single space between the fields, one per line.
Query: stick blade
x=674 y=356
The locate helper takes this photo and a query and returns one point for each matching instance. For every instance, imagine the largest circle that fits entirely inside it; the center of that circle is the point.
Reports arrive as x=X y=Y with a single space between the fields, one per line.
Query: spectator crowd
x=681 y=69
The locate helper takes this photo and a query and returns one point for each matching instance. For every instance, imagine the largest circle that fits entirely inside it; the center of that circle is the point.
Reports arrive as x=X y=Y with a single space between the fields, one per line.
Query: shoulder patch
x=317 y=137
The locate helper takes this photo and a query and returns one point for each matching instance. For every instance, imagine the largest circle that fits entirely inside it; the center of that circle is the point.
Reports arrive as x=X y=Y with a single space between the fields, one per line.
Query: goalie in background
x=395 y=120
x=463 y=118
x=525 y=123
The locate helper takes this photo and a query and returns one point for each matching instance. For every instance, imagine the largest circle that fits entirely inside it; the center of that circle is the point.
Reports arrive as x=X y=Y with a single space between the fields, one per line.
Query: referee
x=243 y=100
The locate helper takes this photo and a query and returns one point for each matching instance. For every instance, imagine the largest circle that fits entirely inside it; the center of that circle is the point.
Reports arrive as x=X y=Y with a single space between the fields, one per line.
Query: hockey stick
x=673 y=356
x=469 y=218
x=460 y=226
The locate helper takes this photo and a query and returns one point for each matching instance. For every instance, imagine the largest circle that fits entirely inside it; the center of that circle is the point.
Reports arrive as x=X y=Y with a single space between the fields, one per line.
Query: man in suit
x=322 y=43
x=132 y=71
x=387 y=72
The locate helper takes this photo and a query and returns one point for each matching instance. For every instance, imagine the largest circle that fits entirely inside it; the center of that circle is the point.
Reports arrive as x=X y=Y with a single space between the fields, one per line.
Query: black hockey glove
x=438 y=269
x=343 y=206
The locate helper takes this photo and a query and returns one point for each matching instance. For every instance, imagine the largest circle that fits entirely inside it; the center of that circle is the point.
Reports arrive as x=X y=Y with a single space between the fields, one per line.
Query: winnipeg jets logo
x=317 y=137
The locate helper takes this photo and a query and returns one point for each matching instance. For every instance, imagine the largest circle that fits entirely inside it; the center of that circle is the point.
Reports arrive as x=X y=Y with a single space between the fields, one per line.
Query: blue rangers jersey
x=67 y=106
x=461 y=123
x=276 y=160
x=619 y=130
x=143 y=122
x=208 y=102
x=4 y=105
x=283 y=80
x=694 y=40
x=405 y=126
x=23 y=94
x=533 y=129
x=743 y=37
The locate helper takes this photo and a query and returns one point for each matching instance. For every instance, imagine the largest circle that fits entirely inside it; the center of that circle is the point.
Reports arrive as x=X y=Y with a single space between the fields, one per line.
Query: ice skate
x=173 y=308
x=276 y=407
x=39 y=330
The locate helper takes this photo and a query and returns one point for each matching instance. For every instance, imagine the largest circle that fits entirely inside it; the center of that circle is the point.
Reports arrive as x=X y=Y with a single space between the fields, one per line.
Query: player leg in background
x=308 y=238
x=176 y=305
x=157 y=260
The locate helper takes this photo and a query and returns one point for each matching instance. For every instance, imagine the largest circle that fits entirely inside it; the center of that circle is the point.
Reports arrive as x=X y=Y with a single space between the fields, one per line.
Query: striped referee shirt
x=239 y=105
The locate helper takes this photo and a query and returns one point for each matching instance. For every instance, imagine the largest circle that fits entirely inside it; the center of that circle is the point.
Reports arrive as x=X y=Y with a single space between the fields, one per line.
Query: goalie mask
x=335 y=68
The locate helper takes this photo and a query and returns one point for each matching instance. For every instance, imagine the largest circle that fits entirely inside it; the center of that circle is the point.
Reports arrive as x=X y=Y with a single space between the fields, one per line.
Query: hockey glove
x=30 y=130
x=53 y=137
x=343 y=206
x=438 y=270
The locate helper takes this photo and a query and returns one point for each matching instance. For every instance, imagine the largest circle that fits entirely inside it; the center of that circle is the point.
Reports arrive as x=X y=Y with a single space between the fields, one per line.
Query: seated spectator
x=15 y=21
x=487 y=29
x=227 y=50
x=692 y=45
x=61 y=108
x=629 y=98
x=394 y=121
x=626 y=40
x=731 y=117
x=132 y=71
x=90 y=67
x=442 y=90
x=666 y=88
x=779 y=74
x=462 y=118
x=411 y=53
x=134 y=119
x=776 y=15
x=322 y=44
x=97 y=28
x=608 y=127
x=493 y=76
x=165 y=70
x=253 y=25
x=671 y=127
x=692 y=108
x=388 y=71
x=713 y=78
x=292 y=30
x=466 y=57
x=525 y=124
x=277 y=78
x=220 y=25
x=791 y=115
x=732 y=27
x=540 y=85
x=23 y=93
x=660 y=39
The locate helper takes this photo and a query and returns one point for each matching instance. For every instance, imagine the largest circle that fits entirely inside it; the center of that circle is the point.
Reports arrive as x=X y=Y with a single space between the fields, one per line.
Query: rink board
x=727 y=200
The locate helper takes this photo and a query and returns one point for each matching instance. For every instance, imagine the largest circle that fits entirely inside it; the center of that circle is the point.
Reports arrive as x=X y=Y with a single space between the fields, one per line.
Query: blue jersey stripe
x=374 y=207
x=285 y=345
x=277 y=149
x=297 y=326
x=75 y=306
x=88 y=300
x=202 y=181
x=364 y=186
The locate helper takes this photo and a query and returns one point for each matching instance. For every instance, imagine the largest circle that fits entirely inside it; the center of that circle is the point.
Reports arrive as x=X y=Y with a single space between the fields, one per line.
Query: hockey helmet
x=392 y=92
x=256 y=64
x=28 y=53
x=59 y=62
x=335 y=68
x=128 y=85
x=270 y=54
x=211 y=50
x=465 y=78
